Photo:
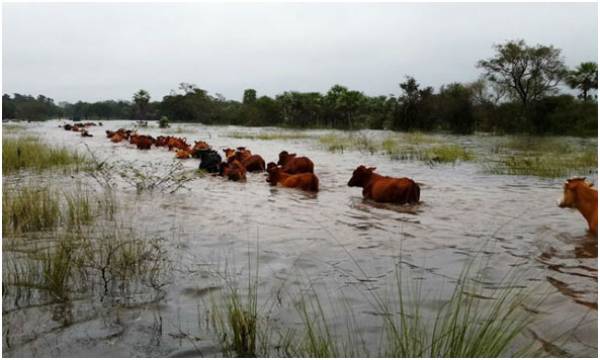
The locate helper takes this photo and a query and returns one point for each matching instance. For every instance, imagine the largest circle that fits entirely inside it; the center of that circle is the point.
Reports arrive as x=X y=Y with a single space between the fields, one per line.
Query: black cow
x=209 y=160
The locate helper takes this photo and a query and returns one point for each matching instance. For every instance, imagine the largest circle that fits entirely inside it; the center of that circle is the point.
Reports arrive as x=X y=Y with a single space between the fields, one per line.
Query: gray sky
x=93 y=52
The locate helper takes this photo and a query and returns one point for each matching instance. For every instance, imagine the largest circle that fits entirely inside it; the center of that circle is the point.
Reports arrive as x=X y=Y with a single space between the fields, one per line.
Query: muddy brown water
x=334 y=242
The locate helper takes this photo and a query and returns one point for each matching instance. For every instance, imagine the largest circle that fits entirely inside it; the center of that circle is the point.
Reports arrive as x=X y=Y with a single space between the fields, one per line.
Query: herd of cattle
x=298 y=171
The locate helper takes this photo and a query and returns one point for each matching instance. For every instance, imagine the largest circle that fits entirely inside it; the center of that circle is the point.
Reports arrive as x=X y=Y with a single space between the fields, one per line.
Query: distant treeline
x=518 y=92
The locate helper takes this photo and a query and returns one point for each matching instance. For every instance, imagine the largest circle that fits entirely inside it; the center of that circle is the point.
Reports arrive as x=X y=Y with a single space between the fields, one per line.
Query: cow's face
x=272 y=173
x=360 y=176
x=229 y=152
x=569 y=198
x=282 y=158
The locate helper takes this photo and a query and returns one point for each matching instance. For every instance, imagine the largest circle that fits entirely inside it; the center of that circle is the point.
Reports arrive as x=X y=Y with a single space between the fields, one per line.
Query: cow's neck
x=586 y=199
x=371 y=178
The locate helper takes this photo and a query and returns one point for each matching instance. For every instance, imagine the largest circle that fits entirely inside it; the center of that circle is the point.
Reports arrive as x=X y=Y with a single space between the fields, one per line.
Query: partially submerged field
x=112 y=251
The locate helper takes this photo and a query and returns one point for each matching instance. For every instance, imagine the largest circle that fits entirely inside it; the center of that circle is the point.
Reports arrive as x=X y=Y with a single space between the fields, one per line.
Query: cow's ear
x=294 y=154
x=371 y=169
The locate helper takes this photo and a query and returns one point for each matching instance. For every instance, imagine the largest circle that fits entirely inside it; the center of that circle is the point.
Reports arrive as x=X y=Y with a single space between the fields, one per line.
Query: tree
x=8 y=107
x=141 y=99
x=343 y=104
x=584 y=78
x=456 y=108
x=527 y=73
x=249 y=96
x=414 y=107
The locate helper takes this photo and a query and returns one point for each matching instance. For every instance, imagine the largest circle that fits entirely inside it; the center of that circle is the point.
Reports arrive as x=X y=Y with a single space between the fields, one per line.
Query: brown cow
x=242 y=154
x=579 y=194
x=234 y=170
x=117 y=137
x=305 y=181
x=254 y=163
x=384 y=188
x=229 y=154
x=144 y=142
x=178 y=143
x=183 y=154
x=295 y=165
x=161 y=141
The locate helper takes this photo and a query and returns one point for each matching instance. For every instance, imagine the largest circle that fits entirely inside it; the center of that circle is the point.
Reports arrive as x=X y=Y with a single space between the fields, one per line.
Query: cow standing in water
x=580 y=195
x=384 y=188
x=293 y=164
x=209 y=160
x=305 y=181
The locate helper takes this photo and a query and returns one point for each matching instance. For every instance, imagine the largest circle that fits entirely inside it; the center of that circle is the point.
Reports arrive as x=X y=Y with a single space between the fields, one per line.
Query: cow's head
x=361 y=176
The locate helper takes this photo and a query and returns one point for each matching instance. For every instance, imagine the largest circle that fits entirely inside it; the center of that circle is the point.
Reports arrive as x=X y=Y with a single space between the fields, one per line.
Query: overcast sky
x=93 y=52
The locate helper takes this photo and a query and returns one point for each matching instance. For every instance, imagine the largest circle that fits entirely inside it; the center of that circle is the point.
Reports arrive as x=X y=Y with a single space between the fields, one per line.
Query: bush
x=163 y=123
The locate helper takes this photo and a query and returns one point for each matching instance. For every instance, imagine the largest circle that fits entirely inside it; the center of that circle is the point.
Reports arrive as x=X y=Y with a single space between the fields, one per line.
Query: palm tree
x=584 y=78
x=141 y=100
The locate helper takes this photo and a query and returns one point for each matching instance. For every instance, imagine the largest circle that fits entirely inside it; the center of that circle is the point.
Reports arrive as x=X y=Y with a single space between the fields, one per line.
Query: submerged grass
x=31 y=208
x=30 y=153
x=12 y=128
x=468 y=324
x=179 y=130
x=269 y=135
x=410 y=146
x=106 y=260
x=448 y=153
x=543 y=157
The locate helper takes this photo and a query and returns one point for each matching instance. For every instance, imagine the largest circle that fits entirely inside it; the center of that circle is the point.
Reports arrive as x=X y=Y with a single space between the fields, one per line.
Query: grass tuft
x=447 y=153
x=30 y=153
x=268 y=135
x=29 y=209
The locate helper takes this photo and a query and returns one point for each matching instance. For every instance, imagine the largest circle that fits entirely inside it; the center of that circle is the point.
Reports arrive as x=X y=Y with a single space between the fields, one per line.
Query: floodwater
x=335 y=243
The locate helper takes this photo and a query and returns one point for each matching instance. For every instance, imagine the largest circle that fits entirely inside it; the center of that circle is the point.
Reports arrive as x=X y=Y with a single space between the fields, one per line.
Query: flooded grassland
x=113 y=251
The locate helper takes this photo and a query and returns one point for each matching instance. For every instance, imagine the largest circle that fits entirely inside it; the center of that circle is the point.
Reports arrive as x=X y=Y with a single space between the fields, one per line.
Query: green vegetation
x=179 y=130
x=473 y=322
x=12 y=128
x=544 y=157
x=163 y=123
x=269 y=135
x=412 y=146
x=29 y=209
x=498 y=102
x=341 y=143
x=72 y=262
x=30 y=153
x=81 y=250
x=448 y=153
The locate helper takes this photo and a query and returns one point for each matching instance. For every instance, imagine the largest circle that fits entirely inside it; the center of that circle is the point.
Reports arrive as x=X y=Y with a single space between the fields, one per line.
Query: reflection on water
x=216 y=226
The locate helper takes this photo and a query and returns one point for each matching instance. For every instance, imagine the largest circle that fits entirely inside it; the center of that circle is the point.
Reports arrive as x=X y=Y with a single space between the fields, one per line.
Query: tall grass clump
x=543 y=157
x=12 y=128
x=341 y=143
x=474 y=322
x=106 y=261
x=447 y=153
x=240 y=328
x=467 y=325
x=79 y=208
x=29 y=209
x=30 y=153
